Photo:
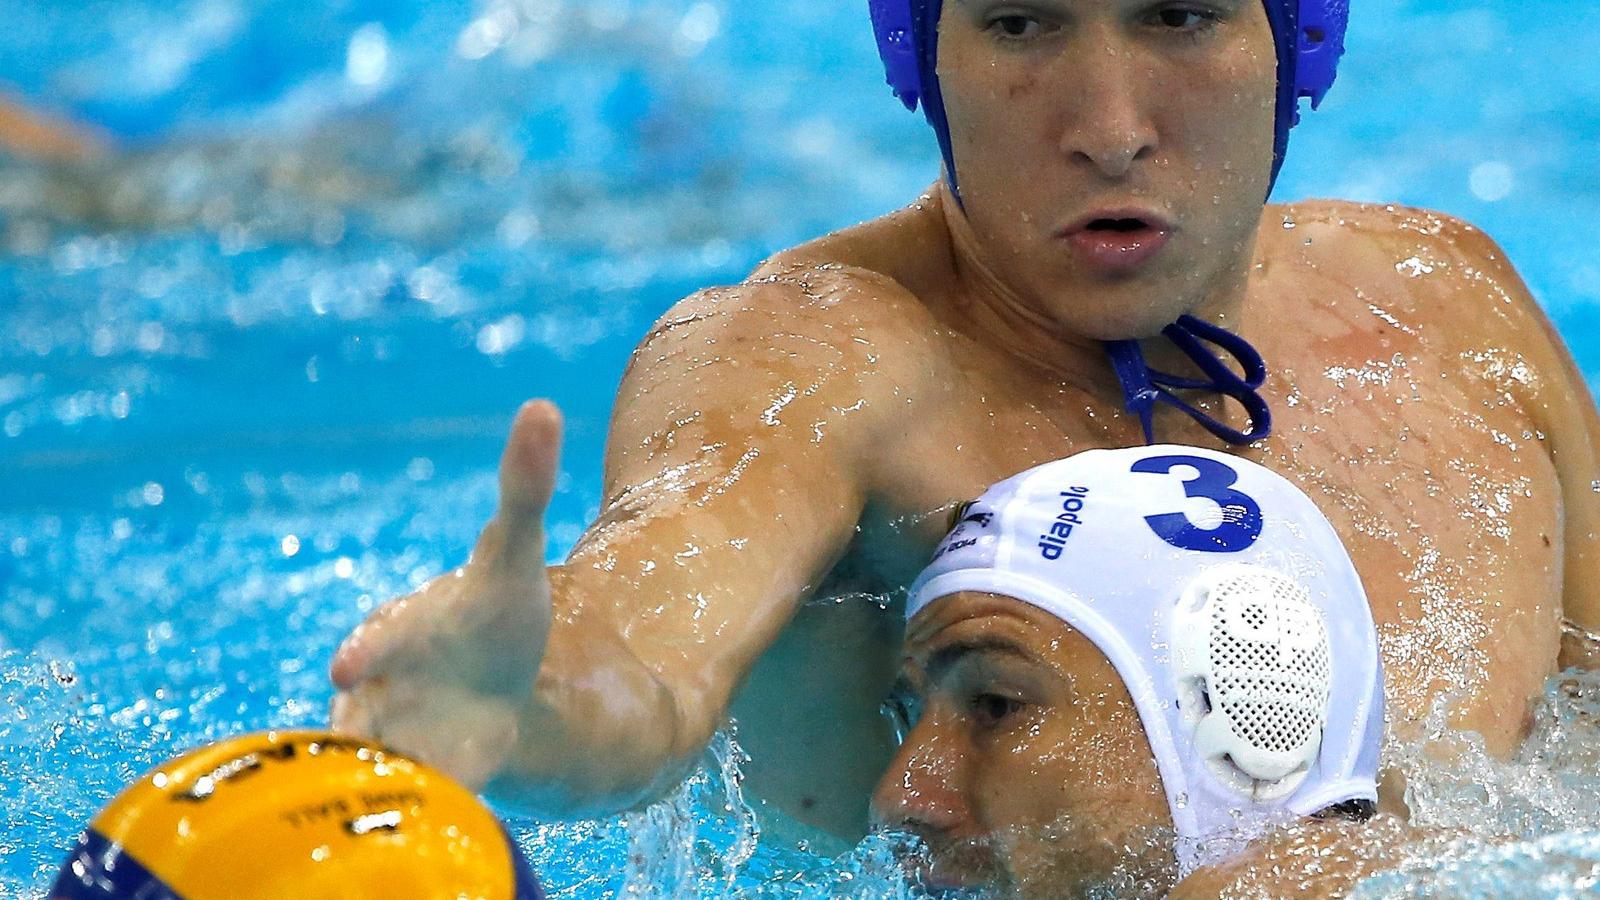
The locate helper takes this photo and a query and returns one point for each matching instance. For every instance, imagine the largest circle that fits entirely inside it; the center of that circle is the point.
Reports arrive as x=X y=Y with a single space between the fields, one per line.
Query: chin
x=1071 y=859
x=1138 y=305
x=1123 y=314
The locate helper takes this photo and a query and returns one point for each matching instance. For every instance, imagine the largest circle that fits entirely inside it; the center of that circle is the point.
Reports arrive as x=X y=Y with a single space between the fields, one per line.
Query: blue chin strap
x=1144 y=387
x=1309 y=38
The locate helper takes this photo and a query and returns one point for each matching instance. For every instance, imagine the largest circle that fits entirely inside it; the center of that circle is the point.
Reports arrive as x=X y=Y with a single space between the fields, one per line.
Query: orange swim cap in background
x=302 y=814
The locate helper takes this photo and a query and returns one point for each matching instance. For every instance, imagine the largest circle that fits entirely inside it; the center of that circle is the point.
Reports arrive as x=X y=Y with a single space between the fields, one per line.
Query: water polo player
x=1104 y=677
x=1096 y=268
x=26 y=133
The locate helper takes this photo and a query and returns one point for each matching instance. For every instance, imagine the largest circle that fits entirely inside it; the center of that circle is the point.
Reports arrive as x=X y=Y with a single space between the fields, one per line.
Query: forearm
x=656 y=622
x=1315 y=858
x=736 y=472
x=25 y=133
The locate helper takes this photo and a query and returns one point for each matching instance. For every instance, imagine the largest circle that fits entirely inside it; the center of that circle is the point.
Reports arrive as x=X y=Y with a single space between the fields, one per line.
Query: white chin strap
x=1252 y=662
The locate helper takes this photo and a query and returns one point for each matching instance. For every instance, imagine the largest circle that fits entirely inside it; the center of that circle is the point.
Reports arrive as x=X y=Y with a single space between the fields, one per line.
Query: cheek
x=1093 y=796
x=997 y=105
x=1069 y=798
x=1092 y=768
x=1221 y=117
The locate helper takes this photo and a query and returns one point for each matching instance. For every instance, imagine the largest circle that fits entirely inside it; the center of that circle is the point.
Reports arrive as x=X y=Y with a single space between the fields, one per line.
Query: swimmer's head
x=294 y=814
x=1066 y=115
x=1130 y=658
x=1308 y=40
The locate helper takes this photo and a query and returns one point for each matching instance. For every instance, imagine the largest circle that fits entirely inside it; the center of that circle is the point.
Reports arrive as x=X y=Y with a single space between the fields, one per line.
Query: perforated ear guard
x=1252 y=662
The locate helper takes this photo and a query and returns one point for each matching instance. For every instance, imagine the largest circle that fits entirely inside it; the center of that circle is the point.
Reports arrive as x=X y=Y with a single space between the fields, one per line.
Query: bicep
x=1561 y=403
x=1565 y=409
x=734 y=482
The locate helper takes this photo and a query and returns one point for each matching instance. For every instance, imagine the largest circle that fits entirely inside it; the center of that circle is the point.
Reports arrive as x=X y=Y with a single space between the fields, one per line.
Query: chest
x=1435 y=478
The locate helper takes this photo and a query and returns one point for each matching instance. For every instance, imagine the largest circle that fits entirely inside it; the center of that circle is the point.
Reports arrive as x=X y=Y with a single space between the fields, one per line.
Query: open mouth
x=1121 y=226
x=1117 y=245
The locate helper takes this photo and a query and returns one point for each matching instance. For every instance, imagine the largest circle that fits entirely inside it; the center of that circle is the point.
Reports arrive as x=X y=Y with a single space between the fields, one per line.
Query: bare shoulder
x=1437 y=262
x=846 y=303
x=775 y=363
x=798 y=318
x=1450 y=284
x=1441 y=273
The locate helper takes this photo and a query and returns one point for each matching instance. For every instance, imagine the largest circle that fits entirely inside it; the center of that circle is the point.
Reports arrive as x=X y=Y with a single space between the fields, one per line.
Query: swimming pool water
x=256 y=367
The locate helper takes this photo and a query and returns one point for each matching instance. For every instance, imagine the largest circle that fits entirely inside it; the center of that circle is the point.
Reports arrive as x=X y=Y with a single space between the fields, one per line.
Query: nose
x=1109 y=124
x=925 y=788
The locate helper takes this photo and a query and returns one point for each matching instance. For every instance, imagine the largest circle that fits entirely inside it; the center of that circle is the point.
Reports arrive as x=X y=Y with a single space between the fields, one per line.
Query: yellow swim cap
x=300 y=814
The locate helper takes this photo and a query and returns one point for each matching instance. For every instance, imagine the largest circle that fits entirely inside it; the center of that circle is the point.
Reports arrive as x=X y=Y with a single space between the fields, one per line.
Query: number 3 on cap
x=1241 y=517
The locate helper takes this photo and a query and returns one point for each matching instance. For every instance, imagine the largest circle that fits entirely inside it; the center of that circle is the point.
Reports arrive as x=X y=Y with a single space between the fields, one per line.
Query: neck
x=989 y=310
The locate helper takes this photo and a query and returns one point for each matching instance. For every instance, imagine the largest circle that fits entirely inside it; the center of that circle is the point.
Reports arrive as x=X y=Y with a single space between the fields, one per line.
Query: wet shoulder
x=802 y=318
x=1431 y=265
x=1423 y=281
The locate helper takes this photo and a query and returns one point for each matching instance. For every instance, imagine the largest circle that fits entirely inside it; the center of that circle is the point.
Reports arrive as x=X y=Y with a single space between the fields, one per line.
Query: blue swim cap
x=1309 y=35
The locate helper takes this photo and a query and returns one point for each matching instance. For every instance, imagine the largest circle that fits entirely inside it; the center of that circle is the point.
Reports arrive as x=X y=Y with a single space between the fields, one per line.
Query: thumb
x=528 y=470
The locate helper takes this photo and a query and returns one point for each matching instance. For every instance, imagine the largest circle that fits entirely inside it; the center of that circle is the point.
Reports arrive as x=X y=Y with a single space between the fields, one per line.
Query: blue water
x=255 y=369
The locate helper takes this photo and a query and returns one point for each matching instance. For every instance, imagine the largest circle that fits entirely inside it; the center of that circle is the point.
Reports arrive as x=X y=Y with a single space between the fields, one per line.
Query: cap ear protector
x=1309 y=36
x=1252 y=661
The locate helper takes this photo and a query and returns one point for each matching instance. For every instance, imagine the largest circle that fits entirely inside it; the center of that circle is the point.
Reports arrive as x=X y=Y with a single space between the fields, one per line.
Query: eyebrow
x=946 y=657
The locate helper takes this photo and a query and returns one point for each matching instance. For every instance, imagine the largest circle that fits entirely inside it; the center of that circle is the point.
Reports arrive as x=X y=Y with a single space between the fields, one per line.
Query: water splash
x=1524 y=827
x=696 y=842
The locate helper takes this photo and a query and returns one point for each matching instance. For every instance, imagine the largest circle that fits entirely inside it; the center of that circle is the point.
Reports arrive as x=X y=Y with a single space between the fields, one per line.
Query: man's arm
x=738 y=463
x=26 y=133
x=1313 y=858
x=1559 y=400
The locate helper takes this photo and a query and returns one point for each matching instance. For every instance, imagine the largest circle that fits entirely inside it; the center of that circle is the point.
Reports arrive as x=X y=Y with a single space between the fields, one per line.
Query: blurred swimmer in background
x=1097 y=245
x=1071 y=724
x=28 y=134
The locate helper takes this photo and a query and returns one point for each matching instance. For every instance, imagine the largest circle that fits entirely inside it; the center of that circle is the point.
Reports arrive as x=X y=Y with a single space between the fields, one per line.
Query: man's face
x=1026 y=767
x=1067 y=115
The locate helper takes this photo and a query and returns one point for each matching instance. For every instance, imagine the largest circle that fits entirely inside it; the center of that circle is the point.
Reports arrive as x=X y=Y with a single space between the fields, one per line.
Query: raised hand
x=447 y=672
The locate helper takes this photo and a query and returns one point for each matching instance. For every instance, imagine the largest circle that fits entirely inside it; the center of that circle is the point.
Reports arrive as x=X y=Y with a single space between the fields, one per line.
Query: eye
x=1185 y=19
x=993 y=710
x=903 y=709
x=1015 y=27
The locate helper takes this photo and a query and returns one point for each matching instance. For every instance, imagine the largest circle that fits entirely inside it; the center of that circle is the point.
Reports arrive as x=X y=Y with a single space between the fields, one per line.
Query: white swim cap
x=1226 y=602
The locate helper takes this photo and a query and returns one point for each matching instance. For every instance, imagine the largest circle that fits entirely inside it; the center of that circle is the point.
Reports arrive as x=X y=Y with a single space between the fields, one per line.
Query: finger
x=371 y=709
x=458 y=732
x=373 y=646
x=528 y=470
x=347 y=716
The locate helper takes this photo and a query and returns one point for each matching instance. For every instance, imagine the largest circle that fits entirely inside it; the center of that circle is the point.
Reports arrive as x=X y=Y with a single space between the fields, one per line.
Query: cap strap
x=1143 y=387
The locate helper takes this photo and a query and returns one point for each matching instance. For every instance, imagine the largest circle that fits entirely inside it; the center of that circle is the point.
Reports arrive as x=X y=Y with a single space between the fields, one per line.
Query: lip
x=956 y=870
x=940 y=880
x=1117 y=253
